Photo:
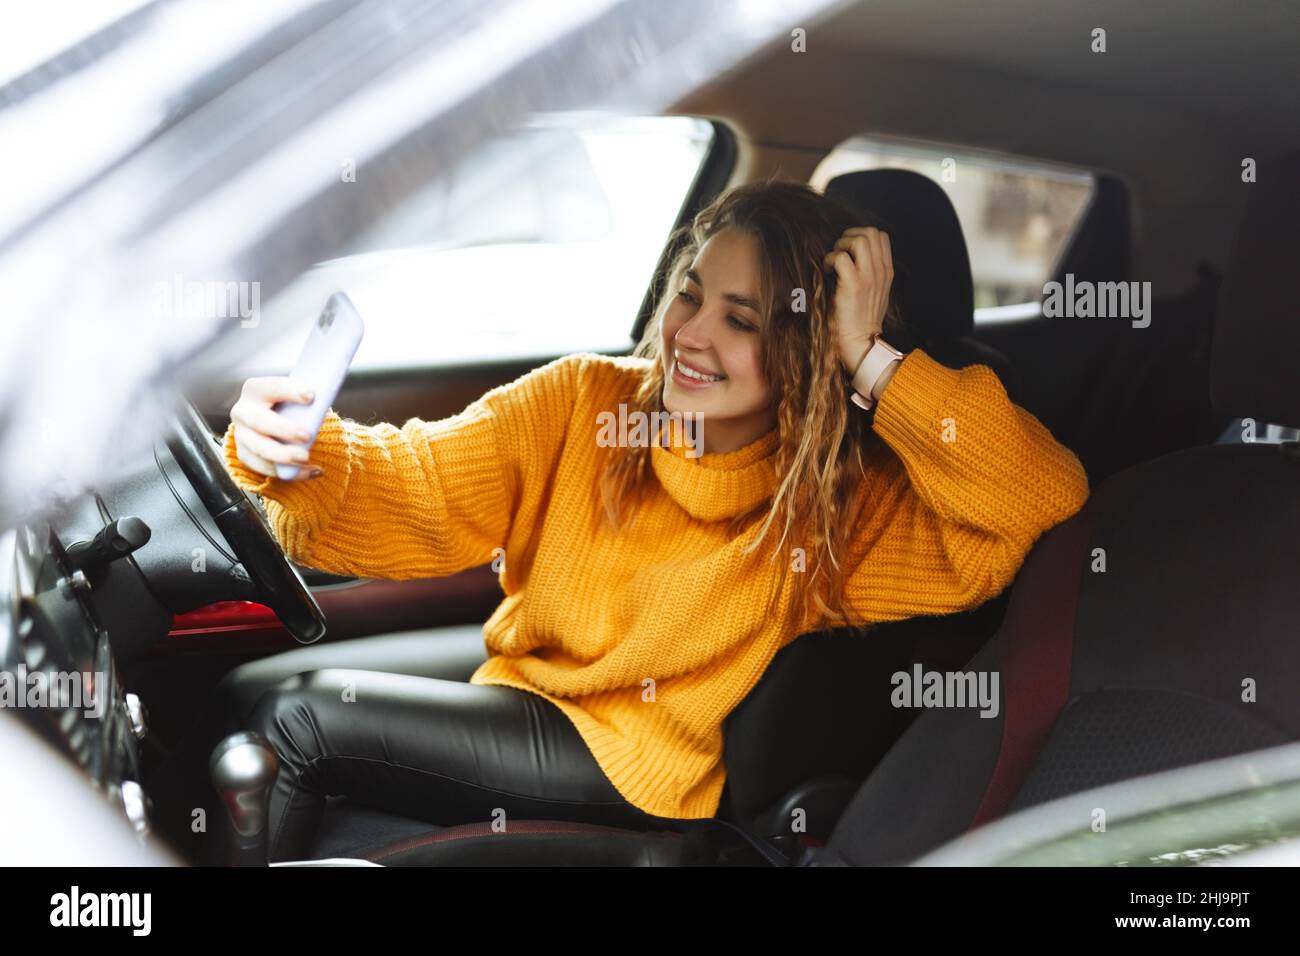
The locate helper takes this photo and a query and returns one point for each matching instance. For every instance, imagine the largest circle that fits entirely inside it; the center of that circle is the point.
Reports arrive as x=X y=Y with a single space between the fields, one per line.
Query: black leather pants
x=391 y=723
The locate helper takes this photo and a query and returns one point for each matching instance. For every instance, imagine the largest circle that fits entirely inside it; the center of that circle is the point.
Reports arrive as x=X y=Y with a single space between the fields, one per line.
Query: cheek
x=750 y=368
x=762 y=388
x=671 y=323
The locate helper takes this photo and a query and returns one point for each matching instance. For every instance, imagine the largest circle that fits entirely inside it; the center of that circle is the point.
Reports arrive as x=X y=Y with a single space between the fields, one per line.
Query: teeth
x=691 y=373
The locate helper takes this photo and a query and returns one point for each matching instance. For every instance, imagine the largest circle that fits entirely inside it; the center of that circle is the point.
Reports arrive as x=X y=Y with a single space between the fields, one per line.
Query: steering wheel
x=280 y=586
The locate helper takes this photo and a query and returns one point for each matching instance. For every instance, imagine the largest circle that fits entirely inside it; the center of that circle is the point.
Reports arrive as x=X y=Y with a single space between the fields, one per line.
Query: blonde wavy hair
x=823 y=440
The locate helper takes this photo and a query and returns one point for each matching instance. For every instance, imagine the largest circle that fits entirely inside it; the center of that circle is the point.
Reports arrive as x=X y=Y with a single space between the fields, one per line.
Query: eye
x=688 y=297
x=738 y=324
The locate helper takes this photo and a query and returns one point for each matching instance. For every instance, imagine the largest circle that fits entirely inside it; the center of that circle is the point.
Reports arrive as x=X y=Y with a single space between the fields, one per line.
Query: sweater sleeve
x=983 y=480
x=426 y=499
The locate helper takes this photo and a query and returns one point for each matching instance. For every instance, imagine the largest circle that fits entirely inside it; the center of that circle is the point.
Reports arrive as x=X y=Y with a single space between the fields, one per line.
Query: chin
x=675 y=401
x=674 y=404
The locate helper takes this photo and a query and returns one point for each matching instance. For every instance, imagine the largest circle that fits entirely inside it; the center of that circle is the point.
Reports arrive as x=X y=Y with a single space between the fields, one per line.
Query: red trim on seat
x=468 y=831
x=1035 y=651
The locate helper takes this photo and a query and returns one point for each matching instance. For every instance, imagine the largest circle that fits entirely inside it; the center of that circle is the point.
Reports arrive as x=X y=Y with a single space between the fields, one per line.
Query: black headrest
x=1255 y=358
x=932 y=279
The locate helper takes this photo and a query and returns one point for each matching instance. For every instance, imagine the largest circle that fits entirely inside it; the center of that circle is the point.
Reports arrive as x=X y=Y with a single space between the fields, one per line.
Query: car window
x=513 y=259
x=1017 y=216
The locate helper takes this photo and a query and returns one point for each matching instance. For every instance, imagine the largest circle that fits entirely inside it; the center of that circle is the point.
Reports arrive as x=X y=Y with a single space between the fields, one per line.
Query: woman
x=648 y=585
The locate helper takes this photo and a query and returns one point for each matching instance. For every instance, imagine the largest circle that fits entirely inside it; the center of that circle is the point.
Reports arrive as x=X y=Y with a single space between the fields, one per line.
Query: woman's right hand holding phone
x=264 y=437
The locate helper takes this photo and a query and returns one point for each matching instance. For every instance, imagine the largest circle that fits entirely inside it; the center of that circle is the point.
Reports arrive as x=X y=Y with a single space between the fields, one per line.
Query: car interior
x=1128 y=637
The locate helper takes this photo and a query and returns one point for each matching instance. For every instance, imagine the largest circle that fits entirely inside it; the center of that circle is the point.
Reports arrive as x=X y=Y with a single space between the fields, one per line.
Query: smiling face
x=712 y=344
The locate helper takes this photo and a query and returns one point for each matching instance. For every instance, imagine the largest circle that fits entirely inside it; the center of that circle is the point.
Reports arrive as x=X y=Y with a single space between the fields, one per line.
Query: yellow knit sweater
x=647 y=639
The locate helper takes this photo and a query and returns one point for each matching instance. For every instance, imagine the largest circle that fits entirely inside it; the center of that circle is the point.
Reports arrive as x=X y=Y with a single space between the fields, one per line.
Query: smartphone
x=321 y=367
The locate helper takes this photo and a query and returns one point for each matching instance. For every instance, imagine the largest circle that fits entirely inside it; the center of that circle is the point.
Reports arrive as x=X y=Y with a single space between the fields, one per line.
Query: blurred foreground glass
x=236 y=177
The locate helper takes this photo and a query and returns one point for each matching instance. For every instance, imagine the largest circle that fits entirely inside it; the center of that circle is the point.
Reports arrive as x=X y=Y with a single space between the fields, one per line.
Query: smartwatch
x=879 y=357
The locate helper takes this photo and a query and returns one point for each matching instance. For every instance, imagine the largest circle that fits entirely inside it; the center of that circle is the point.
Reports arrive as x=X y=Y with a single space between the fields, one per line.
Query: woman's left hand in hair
x=864 y=267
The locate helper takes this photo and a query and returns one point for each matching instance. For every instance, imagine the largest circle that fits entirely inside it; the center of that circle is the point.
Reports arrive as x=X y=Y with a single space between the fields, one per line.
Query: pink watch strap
x=879 y=357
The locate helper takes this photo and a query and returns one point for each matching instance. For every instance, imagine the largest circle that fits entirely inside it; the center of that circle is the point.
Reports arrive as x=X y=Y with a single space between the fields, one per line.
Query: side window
x=542 y=243
x=1018 y=217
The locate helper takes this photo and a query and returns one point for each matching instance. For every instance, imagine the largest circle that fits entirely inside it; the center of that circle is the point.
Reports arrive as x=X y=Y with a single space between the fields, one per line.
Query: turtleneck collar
x=716 y=485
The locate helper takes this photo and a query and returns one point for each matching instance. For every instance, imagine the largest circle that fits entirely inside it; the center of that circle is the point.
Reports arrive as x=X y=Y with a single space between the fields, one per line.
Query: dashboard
x=98 y=585
x=91 y=597
x=58 y=672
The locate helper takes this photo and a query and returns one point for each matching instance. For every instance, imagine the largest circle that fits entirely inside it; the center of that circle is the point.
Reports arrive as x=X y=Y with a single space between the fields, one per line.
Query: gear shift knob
x=243 y=768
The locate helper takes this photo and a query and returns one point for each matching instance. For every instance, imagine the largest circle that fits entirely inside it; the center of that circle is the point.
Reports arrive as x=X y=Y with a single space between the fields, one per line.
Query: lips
x=686 y=367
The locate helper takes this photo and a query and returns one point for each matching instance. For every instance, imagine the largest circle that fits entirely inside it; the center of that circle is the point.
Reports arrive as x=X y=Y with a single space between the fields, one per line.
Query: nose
x=695 y=334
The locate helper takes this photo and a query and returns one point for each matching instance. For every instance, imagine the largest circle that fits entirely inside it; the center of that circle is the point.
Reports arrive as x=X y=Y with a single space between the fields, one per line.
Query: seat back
x=1153 y=628
x=932 y=277
x=811 y=730
x=820 y=719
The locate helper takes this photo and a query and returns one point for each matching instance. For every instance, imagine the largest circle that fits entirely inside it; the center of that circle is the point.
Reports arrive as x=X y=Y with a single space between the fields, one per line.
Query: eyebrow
x=741 y=300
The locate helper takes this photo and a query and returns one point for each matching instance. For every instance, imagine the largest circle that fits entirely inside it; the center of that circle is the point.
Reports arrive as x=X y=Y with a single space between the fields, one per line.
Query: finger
x=845 y=244
x=864 y=256
x=879 y=255
x=269 y=448
x=869 y=232
x=843 y=265
x=270 y=389
x=854 y=246
x=889 y=249
x=255 y=462
x=883 y=250
x=879 y=239
x=260 y=465
x=264 y=420
x=887 y=255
